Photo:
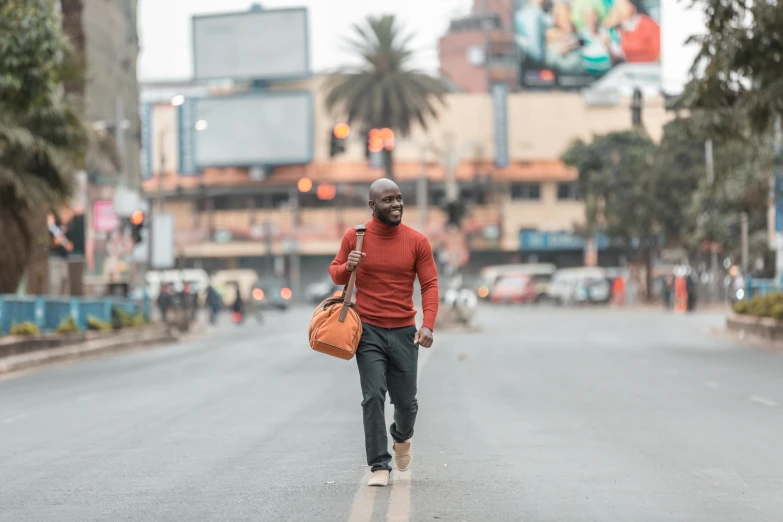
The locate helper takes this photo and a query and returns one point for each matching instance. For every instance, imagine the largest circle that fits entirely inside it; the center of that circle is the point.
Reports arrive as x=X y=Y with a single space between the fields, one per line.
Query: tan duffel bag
x=336 y=328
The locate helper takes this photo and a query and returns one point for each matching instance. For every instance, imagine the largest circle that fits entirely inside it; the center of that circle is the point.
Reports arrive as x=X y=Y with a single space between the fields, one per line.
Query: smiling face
x=386 y=204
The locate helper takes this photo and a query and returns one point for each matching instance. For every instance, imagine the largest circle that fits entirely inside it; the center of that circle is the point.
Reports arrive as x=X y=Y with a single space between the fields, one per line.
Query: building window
x=567 y=191
x=525 y=191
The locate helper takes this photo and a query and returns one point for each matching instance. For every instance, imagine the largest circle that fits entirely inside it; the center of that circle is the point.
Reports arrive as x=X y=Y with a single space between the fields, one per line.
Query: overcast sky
x=164 y=30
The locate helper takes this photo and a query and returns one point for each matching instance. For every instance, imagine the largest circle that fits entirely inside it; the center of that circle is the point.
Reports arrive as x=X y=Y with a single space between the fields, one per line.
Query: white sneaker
x=403 y=455
x=379 y=478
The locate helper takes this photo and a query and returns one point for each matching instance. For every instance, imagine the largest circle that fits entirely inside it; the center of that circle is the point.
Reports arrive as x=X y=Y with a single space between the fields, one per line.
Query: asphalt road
x=543 y=416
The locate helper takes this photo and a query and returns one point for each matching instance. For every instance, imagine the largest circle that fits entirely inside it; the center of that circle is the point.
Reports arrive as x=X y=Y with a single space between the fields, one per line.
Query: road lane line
x=764 y=401
x=711 y=384
x=11 y=420
x=400 y=498
x=363 y=502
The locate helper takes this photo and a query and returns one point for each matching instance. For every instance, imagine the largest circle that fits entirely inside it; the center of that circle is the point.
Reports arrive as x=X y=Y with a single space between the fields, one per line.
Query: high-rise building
x=478 y=49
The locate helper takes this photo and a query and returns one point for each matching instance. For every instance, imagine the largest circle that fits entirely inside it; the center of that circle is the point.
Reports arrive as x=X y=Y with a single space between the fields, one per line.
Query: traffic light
x=136 y=224
x=378 y=140
x=337 y=138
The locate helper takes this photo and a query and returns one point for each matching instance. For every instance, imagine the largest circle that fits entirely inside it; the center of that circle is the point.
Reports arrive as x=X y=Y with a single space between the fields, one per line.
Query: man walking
x=387 y=356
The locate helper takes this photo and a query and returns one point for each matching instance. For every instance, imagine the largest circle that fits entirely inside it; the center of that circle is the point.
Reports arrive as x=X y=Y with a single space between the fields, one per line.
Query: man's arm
x=427 y=272
x=338 y=271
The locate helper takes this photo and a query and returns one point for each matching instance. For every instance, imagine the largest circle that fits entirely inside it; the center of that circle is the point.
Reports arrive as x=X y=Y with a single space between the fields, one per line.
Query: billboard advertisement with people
x=568 y=44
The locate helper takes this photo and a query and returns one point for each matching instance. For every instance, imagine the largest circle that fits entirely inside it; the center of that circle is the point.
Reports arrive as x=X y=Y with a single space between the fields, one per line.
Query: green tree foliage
x=384 y=91
x=615 y=177
x=42 y=138
x=738 y=71
x=617 y=180
x=641 y=192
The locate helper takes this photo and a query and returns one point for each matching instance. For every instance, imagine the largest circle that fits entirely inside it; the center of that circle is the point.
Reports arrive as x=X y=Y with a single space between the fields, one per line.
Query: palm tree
x=42 y=137
x=39 y=151
x=384 y=92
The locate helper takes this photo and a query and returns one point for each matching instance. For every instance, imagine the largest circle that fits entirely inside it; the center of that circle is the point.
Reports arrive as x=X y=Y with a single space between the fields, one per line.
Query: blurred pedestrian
x=387 y=356
x=164 y=302
x=213 y=302
x=238 y=307
x=668 y=291
x=690 y=290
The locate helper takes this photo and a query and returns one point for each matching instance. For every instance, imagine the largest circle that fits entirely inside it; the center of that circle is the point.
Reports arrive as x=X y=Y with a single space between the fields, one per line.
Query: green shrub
x=26 y=328
x=97 y=325
x=770 y=305
x=120 y=318
x=138 y=320
x=68 y=326
x=761 y=306
x=741 y=307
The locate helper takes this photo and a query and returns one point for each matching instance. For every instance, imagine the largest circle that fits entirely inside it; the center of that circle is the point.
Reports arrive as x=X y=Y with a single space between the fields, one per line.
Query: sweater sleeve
x=427 y=273
x=340 y=274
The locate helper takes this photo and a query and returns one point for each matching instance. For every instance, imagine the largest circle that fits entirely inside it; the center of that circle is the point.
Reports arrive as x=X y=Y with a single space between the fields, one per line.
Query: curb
x=758 y=331
x=123 y=342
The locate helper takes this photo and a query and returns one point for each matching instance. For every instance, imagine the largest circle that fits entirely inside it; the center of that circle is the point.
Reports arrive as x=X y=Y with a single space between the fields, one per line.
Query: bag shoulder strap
x=348 y=292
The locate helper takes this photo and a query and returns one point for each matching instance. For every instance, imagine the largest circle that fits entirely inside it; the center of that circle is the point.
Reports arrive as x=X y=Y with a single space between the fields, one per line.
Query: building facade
x=478 y=50
x=104 y=37
x=238 y=218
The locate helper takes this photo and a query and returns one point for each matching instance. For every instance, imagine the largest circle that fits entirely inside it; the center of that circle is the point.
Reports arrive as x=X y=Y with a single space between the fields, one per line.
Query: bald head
x=386 y=201
x=380 y=186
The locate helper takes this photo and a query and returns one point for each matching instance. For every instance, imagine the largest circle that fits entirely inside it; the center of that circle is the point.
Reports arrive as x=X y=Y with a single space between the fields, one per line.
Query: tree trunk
x=648 y=272
x=15 y=252
x=38 y=264
x=388 y=163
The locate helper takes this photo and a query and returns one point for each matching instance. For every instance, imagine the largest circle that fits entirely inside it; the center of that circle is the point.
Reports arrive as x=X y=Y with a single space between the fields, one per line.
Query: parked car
x=272 y=295
x=490 y=275
x=317 y=292
x=575 y=286
x=514 y=288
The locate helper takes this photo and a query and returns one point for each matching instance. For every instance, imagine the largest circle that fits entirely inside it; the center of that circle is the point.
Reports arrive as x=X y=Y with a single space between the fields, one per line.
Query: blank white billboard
x=270 y=44
x=265 y=128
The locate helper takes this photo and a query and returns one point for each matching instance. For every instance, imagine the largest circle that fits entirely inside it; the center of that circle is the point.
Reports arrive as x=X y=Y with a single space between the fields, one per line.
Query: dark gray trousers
x=388 y=361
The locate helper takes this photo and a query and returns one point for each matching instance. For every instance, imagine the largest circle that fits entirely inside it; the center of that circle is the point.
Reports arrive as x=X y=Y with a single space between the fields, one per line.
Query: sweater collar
x=379 y=228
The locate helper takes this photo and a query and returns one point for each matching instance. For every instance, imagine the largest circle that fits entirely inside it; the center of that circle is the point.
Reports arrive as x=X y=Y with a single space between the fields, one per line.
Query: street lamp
x=178 y=100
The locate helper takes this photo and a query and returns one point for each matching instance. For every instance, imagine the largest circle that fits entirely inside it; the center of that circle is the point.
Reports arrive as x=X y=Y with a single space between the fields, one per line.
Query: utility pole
x=485 y=30
x=294 y=245
x=709 y=164
x=421 y=191
x=119 y=137
x=777 y=183
x=744 y=234
x=162 y=172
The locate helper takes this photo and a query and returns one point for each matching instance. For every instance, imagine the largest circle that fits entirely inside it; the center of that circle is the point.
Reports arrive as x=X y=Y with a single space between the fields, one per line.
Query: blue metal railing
x=760 y=287
x=48 y=312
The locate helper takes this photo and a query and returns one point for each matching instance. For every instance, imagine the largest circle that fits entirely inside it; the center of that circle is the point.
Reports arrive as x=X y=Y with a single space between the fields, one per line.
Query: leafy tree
x=384 y=91
x=41 y=137
x=617 y=179
x=739 y=67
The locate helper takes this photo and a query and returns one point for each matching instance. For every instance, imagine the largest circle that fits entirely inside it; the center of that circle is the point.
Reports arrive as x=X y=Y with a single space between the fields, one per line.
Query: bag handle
x=348 y=292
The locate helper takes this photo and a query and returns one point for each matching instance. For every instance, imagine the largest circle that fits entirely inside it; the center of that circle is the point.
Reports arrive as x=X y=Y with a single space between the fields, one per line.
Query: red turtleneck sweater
x=384 y=279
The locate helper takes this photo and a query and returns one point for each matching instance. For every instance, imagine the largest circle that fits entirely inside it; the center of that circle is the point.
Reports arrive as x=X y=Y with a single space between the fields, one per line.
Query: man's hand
x=354 y=260
x=423 y=337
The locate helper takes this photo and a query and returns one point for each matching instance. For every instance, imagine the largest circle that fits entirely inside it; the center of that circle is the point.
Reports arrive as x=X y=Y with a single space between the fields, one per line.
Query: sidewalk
x=83 y=347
